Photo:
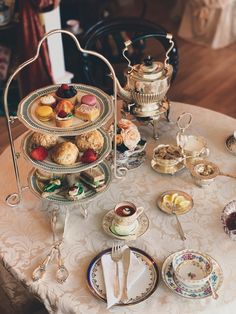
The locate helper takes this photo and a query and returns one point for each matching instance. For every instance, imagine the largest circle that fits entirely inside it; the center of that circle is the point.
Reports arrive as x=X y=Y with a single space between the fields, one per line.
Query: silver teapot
x=147 y=83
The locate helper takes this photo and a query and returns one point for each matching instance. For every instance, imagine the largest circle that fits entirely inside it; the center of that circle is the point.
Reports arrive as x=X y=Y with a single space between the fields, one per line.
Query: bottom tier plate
x=36 y=186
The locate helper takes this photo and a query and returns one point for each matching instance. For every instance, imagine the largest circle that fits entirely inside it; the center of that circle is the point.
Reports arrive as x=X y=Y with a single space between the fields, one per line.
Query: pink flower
x=131 y=137
x=125 y=124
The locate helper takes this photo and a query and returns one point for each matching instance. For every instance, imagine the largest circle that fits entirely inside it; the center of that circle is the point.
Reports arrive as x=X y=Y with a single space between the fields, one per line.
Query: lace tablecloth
x=26 y=235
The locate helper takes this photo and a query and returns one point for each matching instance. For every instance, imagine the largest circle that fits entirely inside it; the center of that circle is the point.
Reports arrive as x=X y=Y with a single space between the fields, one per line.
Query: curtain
x=37 y=74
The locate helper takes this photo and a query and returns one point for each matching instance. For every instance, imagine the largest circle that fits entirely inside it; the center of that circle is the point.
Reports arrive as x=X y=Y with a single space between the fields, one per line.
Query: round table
x=26 y=234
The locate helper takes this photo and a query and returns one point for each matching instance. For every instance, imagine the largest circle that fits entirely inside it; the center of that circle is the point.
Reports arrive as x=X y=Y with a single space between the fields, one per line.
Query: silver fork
x=116 y=255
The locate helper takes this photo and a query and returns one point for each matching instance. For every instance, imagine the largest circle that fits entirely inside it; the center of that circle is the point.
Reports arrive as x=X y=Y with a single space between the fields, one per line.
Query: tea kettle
x=147 y=83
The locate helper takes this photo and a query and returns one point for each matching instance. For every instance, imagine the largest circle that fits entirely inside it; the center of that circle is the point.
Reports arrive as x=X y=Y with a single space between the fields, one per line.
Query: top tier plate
x=27 y=107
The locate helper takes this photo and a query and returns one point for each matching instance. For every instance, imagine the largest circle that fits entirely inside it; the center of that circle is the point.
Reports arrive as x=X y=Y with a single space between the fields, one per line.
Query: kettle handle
x=129 y=42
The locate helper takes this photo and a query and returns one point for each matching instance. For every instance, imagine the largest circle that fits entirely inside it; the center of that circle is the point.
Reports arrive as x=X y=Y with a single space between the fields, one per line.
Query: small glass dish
x=228 y=219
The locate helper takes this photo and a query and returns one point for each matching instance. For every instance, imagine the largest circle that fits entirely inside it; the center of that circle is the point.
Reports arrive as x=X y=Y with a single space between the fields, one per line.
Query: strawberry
x=89 y=156
x=62 y=114
x=39 y=153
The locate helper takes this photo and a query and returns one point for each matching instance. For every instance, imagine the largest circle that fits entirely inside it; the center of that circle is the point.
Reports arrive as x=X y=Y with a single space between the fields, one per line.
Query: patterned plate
x=144 y=287
x=26 y=111
x=142 y=227
x=37 y=187
x=186 y=292
x=50 y=166
x=230 y=144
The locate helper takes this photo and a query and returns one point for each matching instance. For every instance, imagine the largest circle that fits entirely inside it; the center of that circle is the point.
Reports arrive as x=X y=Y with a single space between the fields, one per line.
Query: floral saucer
x=188 y=292
x=167 y=170
x=142 y=226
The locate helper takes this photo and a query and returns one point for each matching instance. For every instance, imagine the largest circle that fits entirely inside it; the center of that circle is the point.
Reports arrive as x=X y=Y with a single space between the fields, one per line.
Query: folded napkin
x=136 y=269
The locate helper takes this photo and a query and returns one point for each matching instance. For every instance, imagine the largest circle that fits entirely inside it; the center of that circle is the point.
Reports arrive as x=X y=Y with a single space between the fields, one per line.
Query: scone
x=65 y=153
x=92 y=139
x=42 y=139
x=64 y=105
x=87 y=112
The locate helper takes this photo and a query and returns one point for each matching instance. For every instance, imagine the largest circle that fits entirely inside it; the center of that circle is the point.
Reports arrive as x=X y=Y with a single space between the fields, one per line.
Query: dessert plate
x=230 y=144
x=143 y=224
x=187 y=292
x=50 y=166
x=27 y=107
x=36 y=187
x=144 y=286
x=178 y=210
x=165 y=170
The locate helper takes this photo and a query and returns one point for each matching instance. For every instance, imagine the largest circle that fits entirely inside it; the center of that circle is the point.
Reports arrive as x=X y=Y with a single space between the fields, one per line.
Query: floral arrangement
x=128 y=136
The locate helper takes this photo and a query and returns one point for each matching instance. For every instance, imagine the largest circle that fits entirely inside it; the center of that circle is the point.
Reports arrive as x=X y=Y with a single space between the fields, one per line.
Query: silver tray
x=26 y=111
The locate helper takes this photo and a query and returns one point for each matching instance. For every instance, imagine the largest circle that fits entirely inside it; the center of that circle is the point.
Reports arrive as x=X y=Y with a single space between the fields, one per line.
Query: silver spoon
x=180 y=229
x=213 y=292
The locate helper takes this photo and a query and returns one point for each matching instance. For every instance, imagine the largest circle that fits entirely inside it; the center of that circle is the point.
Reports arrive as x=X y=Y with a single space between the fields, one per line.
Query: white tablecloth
x=26 y=235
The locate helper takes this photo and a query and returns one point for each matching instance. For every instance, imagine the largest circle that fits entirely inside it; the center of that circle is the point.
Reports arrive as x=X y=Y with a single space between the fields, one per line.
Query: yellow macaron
x=44 y=113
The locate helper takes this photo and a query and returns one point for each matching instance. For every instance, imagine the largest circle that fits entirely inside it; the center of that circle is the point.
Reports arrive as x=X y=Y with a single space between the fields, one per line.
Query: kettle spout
x=122 y=92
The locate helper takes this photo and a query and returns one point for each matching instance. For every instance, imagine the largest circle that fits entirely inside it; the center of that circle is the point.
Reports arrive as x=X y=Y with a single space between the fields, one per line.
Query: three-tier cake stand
x=26 y=114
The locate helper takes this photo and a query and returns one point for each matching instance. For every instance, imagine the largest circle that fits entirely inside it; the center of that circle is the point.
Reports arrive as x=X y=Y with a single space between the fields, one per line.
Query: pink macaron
x=89 y=100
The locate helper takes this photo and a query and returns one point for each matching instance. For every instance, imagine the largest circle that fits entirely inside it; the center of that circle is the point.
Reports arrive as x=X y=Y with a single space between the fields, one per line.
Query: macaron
x=44 y=113
x=89 y=100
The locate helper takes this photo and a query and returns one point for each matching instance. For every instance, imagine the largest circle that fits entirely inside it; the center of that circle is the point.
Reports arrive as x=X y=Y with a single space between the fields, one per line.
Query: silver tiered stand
x=15 y=199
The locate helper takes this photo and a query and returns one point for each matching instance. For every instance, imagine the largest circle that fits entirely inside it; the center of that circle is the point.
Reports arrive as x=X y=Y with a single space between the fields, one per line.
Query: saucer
x=132 y=232
x=142 y=226
x=230 y=144
x=133 y=161
x=189 y=292
x=229 y=209
x=167 y=170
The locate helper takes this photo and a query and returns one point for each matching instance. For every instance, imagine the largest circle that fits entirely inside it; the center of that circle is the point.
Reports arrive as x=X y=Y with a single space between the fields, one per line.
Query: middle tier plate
x=50 y=166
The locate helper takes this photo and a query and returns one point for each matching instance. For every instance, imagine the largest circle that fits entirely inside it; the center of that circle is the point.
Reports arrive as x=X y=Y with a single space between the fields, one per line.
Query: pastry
x=87 y=112
x=76 y=191
x=89 y=156
x=43 y=176
x=45 y=140
x=94 y=178
x=65 y=153
x=92 y=139
x=48 y=100
x=53 y=187
x=39 y=153
x=44 y=113
x=64 y=119
x=66 y=92
x=90 y=100
x=65 y=105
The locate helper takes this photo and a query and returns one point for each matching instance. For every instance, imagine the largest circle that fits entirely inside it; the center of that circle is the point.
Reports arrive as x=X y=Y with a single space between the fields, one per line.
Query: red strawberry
x=39 y=153
x=65 y=87
x=62 y=114
x=89 y=156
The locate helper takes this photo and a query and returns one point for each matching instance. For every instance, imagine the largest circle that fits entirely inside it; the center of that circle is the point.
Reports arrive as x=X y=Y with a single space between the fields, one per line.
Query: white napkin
x=136 y=269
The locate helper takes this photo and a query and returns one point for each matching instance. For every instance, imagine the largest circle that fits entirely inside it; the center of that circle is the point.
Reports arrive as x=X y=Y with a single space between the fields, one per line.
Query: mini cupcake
x=64 y=119
x=48 y=100
x=66 y=92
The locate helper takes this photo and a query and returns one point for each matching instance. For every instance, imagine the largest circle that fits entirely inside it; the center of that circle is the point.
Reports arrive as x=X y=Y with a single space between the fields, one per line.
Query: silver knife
x=126 y=263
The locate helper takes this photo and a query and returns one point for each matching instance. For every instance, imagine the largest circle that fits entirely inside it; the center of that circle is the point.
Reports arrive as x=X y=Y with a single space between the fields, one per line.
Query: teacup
x=194 y=146
x=192 y=268
x=125 y=218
